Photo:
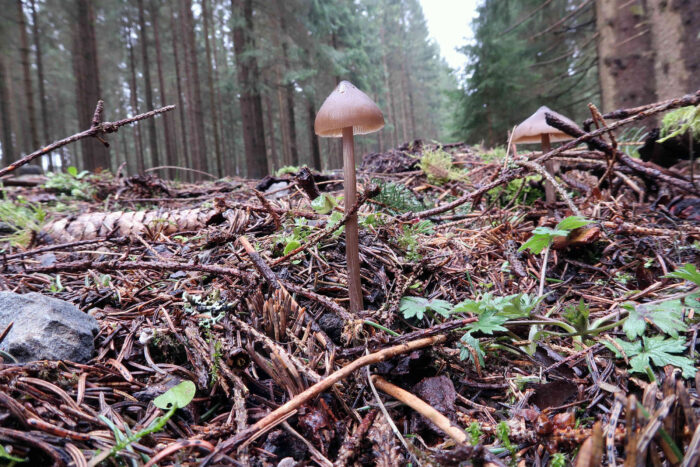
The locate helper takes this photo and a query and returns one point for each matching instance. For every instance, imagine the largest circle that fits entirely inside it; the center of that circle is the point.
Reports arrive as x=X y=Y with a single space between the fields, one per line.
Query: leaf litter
x=225 y=336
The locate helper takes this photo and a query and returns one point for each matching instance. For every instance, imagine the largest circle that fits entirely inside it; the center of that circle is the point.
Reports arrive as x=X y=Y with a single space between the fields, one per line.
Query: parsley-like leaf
x=688 y=272
x=657 y=349
x=416 y=307
x=667 y=316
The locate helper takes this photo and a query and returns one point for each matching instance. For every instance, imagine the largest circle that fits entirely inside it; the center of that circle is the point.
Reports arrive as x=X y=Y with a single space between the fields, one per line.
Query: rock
x=45 y=328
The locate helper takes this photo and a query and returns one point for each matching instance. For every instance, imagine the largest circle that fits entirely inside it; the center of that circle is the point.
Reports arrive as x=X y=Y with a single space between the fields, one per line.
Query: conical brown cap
x=346 y=107
x=532 y=129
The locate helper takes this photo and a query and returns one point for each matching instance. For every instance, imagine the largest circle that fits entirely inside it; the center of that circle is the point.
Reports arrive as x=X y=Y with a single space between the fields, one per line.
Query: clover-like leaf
x=657 y=349
x=177 y=396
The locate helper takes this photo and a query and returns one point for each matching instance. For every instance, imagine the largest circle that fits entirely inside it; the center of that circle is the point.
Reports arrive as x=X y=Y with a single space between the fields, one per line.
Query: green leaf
x=660 y=351
x=667 y=316
x=323 y=204
x=489 y=322
x=656 y=349
x=291 y=246
x=573 y=223
x=467 y=306
x=416 y=307
x=72 y=170
x=577 y=316
x=178 y=396
x=536 y=244
x=474 y=343
x=687 y=272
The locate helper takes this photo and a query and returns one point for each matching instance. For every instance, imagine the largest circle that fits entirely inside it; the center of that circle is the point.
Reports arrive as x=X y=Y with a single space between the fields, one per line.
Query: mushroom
x=535 y=130
x=347 y=111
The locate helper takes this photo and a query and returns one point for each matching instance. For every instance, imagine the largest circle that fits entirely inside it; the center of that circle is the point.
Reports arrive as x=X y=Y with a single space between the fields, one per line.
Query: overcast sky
x=449 y=22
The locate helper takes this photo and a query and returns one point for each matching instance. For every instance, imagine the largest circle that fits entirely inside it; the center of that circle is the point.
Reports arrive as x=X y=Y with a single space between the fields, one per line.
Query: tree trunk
x=272 y=161
x=625 y=54
x=133 y=86
x=192 y=71
x=8 y=145
x=289 y=118
x=313 y=139
x=389 y=96
x=210 y=79
x=40 y=77
x=250 y=99
x=186 y=159
x=168 y=122
x=151 y=122
x=95 y=154
x=27 y=80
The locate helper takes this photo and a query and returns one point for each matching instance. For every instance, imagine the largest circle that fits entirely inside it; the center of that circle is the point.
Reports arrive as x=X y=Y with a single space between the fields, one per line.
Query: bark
x=250 y=99
x=210 y=79
x=192 y=71
x=313 y=139
x=272 y=160
x=151 y=124
x=168 y=121
x=46 y=133
x=289 y=117
x=27 y=78
x=387 y=87
x=625 y=53
x=133 y=88
x=674 y=35
x=85 y=61
x=186 y=159
x=8 y=146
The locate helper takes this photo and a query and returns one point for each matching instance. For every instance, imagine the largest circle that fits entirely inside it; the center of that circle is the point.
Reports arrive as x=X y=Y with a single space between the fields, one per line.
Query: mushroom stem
x=352 y=253
x=549 y=191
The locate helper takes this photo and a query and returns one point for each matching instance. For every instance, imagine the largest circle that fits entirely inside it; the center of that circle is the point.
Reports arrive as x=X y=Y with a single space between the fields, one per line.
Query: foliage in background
x=519 y=61
x=71 y=183
x=18 y=219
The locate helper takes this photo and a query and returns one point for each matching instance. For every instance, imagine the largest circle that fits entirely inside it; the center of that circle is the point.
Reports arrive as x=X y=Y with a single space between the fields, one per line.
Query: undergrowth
x=437 y=166
x=19 y=219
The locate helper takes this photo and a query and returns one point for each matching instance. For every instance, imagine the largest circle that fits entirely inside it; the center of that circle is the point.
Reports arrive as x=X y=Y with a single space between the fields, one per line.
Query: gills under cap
x=532 y=129
x=346 y=107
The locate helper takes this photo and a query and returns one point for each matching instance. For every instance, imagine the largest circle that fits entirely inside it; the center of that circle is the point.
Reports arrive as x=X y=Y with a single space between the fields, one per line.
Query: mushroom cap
x=532 y=129
x=346 y=107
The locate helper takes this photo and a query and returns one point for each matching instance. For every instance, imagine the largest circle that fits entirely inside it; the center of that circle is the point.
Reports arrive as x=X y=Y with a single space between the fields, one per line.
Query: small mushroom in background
x=347 y=111
x=535 y=130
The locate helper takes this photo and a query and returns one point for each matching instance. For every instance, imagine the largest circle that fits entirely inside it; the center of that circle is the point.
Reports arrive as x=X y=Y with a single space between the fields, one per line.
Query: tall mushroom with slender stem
x=345 y=113
x=535 y=130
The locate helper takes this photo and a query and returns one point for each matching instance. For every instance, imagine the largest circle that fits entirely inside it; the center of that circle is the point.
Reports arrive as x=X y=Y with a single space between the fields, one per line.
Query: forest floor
x=239 y=286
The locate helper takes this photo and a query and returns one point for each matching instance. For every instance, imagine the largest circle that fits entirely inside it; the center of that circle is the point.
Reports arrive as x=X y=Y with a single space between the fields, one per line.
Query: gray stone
x=45 y=328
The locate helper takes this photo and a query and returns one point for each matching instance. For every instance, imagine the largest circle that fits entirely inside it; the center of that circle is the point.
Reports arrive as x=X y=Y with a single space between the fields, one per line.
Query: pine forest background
x=248 y=76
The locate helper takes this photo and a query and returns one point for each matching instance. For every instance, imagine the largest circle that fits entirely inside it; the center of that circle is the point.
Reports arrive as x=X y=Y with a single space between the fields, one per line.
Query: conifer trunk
x=250 y=99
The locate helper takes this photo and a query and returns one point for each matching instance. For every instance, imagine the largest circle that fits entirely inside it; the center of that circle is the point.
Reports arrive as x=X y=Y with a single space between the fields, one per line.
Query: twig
x=277 y=416
x=540 y=170
x=266 y=204
x=109 y=266
x=95 y=130
x=581 y=136
x=259 y=264
x=420 y=406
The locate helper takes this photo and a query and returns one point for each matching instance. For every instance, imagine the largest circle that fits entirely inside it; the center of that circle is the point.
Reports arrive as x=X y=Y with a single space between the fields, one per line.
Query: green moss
x=680 y=121
x=21 y=218
x=437 y=166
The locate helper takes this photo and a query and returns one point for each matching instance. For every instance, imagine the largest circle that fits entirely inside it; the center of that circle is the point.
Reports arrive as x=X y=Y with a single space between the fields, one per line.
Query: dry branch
x=96 y=130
